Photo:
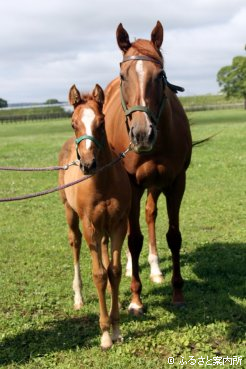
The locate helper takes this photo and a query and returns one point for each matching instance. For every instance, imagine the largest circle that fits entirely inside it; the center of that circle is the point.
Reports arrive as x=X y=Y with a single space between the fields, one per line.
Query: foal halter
x=145 y=109
x=86 y=137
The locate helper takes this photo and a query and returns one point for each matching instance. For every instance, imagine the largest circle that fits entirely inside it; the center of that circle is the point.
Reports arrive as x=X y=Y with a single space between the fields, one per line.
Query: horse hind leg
x=156 y=275
x=75 y=237
x=174 y=197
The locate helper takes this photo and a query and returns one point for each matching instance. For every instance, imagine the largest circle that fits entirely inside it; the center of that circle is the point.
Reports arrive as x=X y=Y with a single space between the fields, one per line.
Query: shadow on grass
x=59 y=335
x=214 y=297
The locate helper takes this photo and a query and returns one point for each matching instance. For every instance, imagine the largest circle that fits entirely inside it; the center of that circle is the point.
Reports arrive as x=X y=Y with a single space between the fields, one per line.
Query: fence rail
x=12 y=118
x=190 y=108
x=31 y=117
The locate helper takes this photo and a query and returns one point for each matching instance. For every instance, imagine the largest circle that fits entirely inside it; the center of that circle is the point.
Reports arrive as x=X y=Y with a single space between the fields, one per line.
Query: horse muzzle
x=88 y=167
x=142 y=139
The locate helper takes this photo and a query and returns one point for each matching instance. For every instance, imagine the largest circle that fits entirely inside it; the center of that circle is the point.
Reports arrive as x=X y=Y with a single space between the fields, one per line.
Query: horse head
x=142 y=86
x=88 y=125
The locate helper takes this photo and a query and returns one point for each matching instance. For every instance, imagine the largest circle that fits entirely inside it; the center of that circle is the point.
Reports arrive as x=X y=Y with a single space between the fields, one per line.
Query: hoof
x=118 y=340
x=128 y=273
x=116 y=334
x=178 y=298
x=179 y=304
x=78 y=306
x=157 y=278
x=106 y=341
x=135 y=309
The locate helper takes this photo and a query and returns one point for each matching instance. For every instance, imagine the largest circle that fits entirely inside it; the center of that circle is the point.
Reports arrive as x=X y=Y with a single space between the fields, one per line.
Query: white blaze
x=87 y=119
x=140 y=72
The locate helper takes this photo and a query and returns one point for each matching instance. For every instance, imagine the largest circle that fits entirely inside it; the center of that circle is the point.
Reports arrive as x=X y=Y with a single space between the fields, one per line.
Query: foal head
x=142 y=86
x=88 y=125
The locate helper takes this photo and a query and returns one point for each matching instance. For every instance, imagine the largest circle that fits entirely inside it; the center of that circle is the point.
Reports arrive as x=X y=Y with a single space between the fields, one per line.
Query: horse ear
x=157 y=35
x=122 y=38
x=98 y=94
x=74 y=97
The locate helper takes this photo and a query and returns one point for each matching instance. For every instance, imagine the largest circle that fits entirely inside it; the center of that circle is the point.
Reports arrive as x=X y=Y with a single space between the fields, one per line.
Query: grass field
x=38 y=327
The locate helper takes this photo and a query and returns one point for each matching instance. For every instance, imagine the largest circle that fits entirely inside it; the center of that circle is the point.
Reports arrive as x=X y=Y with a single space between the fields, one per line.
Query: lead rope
x=58 y=188
x=64 y=167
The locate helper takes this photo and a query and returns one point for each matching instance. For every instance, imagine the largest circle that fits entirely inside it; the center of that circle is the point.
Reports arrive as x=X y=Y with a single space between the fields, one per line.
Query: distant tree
x=232 y=78
x=3 y=103
x=52 y=101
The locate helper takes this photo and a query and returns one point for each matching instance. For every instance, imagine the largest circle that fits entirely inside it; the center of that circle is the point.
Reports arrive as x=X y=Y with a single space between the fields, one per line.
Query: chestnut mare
x=140 y=107
x=102 y=203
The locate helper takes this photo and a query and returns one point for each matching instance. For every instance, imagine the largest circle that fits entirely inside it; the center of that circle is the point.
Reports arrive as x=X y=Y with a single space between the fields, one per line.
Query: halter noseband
x=145 y=109
x=86 y=137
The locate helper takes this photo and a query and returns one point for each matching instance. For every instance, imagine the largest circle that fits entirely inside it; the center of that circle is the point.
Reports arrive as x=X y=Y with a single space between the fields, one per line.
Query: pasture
x=38 y=326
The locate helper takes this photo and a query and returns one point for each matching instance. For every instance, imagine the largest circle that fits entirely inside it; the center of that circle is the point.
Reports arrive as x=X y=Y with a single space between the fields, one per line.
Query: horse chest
x=103 y=215
x=149 y=174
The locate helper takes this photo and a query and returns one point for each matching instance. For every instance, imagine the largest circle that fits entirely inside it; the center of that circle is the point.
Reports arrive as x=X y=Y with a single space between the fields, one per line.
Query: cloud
x=47 y=46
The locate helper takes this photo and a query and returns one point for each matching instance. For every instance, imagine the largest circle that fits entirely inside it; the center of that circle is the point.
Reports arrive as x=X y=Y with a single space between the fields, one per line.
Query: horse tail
x=199 y=142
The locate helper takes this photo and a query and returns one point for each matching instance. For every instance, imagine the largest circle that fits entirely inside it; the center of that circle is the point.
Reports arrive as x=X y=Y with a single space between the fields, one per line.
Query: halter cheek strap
x=145 y=109
x=86 y=137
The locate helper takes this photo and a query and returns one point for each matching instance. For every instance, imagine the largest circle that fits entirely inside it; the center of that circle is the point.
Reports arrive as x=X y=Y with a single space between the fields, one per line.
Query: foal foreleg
x=150 y=216
x=174 y=197
x=74 y=236
x=114 y=274
x=100 y=277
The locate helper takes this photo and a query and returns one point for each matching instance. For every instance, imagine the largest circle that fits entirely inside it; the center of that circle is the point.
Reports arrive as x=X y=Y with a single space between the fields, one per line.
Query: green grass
x=208 y=100
x=38 y=327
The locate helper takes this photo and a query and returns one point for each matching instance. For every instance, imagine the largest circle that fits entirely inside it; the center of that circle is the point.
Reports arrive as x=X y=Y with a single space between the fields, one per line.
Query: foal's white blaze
x=140 y=73
x=87 y=119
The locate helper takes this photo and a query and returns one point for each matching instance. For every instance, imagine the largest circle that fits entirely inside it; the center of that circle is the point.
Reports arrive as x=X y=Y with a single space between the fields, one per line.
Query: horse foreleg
x=150 y=216
x=174 y=197
x=135 y=244
x=74 y=236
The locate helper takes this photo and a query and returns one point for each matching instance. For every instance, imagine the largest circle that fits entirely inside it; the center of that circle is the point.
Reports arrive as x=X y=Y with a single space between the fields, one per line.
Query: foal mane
x=147 y=48
x=86 y=96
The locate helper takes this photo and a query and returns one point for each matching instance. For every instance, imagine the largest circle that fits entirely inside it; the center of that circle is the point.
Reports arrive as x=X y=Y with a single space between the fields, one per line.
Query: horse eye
x=160 y=75
x=122 y=77
x=73 y=125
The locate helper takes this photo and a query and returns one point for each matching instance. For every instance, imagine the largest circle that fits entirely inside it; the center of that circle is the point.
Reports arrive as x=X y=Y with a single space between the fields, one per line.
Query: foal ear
x=157 y=35
x=122 y=38
x=74 y=97
x=98 y=94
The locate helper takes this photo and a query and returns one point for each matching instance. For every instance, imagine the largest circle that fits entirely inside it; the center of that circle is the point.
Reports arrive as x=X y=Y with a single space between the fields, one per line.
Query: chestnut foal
x=102 y=203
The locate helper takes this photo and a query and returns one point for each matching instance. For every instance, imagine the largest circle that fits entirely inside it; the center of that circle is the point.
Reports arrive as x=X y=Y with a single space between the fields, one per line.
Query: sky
x=47 y=46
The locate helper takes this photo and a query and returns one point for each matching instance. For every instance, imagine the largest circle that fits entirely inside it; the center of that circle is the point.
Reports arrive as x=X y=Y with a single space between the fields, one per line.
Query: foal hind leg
x=156 y=275
x=173 y=198
x=74 y=237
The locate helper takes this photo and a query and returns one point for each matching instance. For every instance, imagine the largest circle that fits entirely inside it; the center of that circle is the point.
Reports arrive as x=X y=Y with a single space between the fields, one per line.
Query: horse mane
x=147 y=48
